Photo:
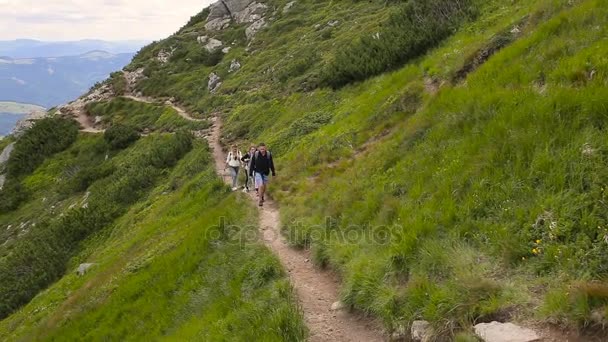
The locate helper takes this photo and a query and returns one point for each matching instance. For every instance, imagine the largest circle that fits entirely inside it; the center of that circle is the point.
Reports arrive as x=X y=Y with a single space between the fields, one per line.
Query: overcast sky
x=98 y=19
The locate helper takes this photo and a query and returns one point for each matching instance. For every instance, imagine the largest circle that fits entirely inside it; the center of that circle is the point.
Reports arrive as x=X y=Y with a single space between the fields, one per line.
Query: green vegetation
x=167 y=269
x=47 y=137
x=120 y=136
x=142 y=116
x=478 y=230
x=414 y=28
x=466 y=185
x=47 y=248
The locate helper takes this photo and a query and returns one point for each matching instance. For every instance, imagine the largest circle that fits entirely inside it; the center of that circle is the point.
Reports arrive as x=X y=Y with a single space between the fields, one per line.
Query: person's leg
x=235 y=183
x=233 y=174
x=263 y=186
x=246 y=180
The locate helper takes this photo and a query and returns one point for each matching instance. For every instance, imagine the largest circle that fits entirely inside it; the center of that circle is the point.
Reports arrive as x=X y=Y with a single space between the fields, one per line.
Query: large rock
x=422 y=331
x=288 y=6
x=214 y=82
x=83 y=268
x=251 y=13
x=252 y=30
x=505 y=332
x=213 y=44
x=222 y=12
x=234 y=66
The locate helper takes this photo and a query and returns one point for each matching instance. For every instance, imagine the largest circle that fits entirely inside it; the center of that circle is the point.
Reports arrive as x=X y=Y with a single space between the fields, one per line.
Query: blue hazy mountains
x=29 y=48
x=50 y=81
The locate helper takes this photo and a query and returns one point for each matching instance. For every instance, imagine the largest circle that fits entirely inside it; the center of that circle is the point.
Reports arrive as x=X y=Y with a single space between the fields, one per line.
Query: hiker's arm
x=244 y=159
x=252 y=165
x=272 y=166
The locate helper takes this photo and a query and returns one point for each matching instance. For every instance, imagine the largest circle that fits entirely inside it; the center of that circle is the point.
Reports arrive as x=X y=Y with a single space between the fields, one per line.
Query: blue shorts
x=260 y=179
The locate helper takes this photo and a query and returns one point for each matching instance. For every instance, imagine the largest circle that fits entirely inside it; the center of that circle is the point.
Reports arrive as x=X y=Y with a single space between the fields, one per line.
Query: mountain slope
x=460 y=181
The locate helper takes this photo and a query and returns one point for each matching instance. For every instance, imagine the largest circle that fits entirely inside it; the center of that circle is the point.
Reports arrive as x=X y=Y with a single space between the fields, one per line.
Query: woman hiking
x=261 y=167
x=246 y=161
x=233 y=161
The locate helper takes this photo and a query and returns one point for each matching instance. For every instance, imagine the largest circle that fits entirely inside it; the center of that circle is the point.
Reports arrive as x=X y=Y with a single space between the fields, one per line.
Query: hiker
x=261 y=167
x=233 y=161
x=246 y=161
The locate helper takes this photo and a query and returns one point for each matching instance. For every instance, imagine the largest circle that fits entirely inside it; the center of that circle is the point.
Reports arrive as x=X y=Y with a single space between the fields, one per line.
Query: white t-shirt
x=231 y=161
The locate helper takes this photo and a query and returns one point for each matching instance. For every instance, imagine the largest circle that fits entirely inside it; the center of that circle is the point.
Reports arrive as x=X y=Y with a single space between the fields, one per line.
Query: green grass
x=501 y=169
x=438 y=194
x=142 y=116
x=166 y=271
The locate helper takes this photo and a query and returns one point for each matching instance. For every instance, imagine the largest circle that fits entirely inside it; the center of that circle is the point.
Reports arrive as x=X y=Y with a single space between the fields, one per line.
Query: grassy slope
x=165 y=271
x=491 y=189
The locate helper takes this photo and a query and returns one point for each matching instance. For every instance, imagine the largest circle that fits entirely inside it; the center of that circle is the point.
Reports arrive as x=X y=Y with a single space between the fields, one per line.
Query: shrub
x=120 y=136
x=47 y=137
x=42 y=257
x=416 y=27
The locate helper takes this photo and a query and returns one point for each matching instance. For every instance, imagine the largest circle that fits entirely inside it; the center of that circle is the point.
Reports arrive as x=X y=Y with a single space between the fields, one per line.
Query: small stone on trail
x=505 y=332
x=337 y=306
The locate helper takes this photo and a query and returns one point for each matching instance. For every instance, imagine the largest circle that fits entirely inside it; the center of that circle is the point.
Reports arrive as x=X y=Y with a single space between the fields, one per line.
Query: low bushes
x=47 y=137
x=416 y=27
x=41 y=258
x=120 y=136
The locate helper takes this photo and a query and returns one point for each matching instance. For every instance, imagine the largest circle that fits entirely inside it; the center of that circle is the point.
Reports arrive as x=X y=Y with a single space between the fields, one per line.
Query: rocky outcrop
x=288 y=6
x=505 y=332
x=214 y=82
x=223 y=12
x=83 y=268
x=421 y=331
x=253 y=29
x=27 y=122
x=210 y=44
x=234 y=66
x=164 y=56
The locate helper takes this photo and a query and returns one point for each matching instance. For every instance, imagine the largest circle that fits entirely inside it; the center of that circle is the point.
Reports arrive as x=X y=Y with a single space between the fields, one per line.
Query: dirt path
x=181 y=111
x=86 y=122
x=317 y=290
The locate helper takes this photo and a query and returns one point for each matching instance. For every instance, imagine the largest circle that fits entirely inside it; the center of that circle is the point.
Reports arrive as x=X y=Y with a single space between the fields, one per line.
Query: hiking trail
x=317 y=290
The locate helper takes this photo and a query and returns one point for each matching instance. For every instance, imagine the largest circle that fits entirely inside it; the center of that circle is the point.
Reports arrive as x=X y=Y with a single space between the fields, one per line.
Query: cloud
x=102 y=19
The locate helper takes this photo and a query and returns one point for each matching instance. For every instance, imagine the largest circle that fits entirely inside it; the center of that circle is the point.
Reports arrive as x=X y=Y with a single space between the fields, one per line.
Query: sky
x=95 y=19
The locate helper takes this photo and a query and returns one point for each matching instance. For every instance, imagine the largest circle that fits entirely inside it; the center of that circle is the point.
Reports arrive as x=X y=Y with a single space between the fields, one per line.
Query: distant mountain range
x=51 y=81
x=29 y=48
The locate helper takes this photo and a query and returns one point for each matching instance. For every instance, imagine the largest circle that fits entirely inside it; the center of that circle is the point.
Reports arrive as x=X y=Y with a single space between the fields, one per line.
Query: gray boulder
x=505 y=332
x=251 y=13
x=234 y=66
x=213 y=44
x=214 y=82
x=421 y=331
x=83 y=268
x=253 y=29
x=288 y=6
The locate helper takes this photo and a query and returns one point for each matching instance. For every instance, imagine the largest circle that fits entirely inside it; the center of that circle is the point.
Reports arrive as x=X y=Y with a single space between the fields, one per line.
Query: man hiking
x=233 y=161
x=260 y=168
